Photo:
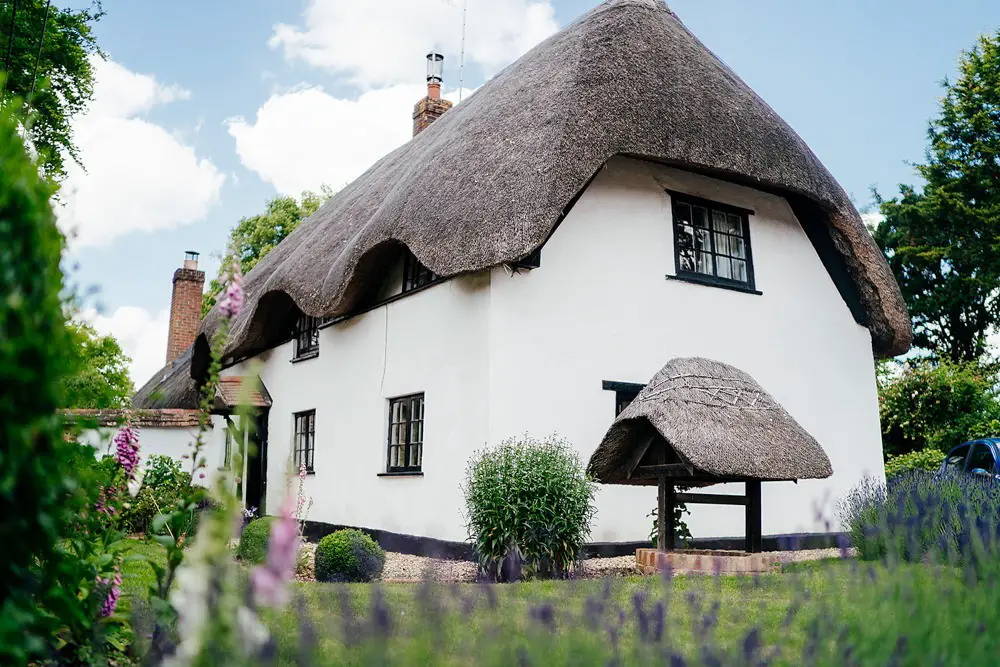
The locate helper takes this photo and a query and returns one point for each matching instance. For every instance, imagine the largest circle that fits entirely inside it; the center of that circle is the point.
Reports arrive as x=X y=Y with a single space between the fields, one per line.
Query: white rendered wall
x=599 y=308
x=174 y=442
x=499 y=355
x=434 y=341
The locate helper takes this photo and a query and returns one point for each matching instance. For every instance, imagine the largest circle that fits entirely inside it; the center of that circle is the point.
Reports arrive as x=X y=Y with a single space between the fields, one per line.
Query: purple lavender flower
x=268 y=580
x=114 y=592
x=232 y=300
x=127 y=449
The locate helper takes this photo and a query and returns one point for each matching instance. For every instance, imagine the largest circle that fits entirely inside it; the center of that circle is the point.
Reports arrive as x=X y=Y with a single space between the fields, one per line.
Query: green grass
x=845 y=603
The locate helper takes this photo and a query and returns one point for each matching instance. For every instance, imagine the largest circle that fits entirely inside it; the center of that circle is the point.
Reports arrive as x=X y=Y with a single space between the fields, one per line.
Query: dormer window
x=712 y=243
x=415 y=274
x=306 y=337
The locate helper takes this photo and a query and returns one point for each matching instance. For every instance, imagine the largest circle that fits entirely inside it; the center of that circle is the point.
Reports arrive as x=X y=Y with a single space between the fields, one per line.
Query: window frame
x=309 y=450
x=306 y=325
x=713 y=279
x=415 y=274
x=407 y=443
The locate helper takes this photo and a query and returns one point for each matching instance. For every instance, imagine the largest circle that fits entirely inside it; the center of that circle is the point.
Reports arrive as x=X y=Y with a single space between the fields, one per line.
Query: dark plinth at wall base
x=416 y=545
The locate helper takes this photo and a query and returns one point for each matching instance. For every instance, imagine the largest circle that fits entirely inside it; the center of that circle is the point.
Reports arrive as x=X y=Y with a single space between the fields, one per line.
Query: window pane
x=685 y=248
x=703 y=246
x=699 y=216
x=682 y=214
x=735 y=225
x=736 y=248
x=414 y=456
x=739 y=270
x=722 y=242
x=723 y=268
x=719 y=221
x=981 y=457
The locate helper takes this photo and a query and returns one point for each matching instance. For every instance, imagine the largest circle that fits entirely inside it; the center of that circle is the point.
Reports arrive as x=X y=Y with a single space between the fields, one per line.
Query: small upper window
x=306 y=337
x=406 y=434
x=711 y=242
x=304 y=446
x=415 y=274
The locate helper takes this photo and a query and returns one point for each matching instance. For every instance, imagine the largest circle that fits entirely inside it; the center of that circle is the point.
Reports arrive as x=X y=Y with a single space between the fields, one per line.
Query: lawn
x=568 y=622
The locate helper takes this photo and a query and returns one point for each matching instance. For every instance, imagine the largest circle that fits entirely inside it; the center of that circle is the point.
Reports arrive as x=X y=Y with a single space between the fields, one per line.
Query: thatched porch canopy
x=699 y=422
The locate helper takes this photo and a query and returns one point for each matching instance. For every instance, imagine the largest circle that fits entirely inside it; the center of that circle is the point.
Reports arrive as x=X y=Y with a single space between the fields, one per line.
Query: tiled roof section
x=158 y=418
x=231 y=386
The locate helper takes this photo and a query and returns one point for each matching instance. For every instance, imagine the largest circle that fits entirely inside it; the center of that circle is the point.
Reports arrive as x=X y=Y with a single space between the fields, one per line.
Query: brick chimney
x=429 y=109
x=185 y=306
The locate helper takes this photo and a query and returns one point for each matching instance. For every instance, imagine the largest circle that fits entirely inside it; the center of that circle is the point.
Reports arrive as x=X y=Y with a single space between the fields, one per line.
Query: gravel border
x=406 y=568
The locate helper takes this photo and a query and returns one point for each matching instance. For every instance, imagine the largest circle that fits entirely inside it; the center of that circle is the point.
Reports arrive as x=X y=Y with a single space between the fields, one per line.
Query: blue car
x=978 y=457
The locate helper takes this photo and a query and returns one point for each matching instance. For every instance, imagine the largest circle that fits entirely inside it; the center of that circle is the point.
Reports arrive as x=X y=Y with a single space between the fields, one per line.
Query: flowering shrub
x=920 y=516
x=348 y=555
x=529 y=500
x=936 y=405
x=253 y=542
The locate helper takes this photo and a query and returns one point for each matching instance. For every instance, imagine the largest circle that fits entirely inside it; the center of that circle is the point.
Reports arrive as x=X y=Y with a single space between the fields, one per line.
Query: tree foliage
x=100 y=378
x=255 y=236
x=65 y=76
x=943 y=241
x=936 y=405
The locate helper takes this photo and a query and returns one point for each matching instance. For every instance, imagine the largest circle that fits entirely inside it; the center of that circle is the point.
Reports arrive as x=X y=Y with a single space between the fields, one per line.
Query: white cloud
x=138 y=175
x=872 y=220
x=141 y=334
x=305 y=138
x=383 y=43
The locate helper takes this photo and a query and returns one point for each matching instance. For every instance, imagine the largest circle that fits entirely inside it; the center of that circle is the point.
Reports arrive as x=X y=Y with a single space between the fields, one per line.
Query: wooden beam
x=637 y=455
x=711 y=499
x=754 y=532
x=665 y=470
x=666 y=501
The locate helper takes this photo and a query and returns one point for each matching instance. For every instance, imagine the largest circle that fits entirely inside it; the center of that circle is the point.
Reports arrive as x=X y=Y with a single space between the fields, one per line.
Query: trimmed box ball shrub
x=529 y=504
x=348 y=555
x=253 y=543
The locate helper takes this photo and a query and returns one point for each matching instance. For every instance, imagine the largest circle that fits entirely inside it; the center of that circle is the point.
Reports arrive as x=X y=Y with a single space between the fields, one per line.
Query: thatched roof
x=716 y=421
x=170 y=387
x=159 y=418
x=490 y=180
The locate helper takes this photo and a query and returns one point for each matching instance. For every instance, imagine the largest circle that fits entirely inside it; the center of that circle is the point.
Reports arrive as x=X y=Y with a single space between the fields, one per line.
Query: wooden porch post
x=666 y=501
x=753 y=529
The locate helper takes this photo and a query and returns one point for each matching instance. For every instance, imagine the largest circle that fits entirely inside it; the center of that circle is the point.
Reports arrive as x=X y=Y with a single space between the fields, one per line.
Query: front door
x=256 y=482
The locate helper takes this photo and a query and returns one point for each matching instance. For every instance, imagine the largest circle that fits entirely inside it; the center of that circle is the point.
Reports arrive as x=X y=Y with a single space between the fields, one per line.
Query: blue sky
x=208 y=109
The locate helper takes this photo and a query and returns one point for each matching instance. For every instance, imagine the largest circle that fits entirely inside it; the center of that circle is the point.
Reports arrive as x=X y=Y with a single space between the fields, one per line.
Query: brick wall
x=185 y=311
x=426 y=111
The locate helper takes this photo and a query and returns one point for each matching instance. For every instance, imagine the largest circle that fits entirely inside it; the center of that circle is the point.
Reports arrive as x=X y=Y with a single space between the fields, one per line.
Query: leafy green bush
x=253 y=542
x=928 y=460
x=531 y=499
x=348 y=555
x=161 y=489
x=46 y=610
x=936 y=405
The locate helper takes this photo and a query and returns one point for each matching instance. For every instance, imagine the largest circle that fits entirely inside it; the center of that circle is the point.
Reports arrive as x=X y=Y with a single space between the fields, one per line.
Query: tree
x=100 y=377
x=61 y=84
x=927 y=404
x=943 y=242
x=254 y=237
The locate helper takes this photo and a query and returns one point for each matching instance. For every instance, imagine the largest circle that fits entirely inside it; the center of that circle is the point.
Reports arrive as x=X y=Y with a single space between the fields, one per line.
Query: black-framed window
x=306 y=337
x=406 y=434
x=304 y=446
x=415 y=274
x=712 y=242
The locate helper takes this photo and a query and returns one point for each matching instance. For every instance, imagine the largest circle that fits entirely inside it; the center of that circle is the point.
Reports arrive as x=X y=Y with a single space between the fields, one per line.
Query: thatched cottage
x=614 y=200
